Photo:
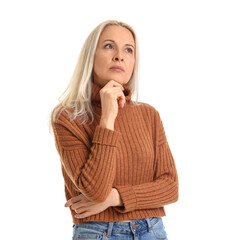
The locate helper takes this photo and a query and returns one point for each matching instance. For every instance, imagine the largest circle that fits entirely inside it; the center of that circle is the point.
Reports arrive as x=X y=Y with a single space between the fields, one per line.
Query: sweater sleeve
x=91 y=169
x=163 y=189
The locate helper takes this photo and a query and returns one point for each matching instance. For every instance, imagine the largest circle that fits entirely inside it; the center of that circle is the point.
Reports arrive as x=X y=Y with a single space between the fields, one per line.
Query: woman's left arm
x=164 y=188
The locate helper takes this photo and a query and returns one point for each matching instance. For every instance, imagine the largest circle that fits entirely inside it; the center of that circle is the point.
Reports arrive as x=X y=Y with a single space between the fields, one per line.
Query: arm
x=163 y=189
x=90 y=166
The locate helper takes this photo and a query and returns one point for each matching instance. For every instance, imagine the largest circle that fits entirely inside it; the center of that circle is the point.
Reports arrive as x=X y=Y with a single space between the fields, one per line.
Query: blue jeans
x=142 y=229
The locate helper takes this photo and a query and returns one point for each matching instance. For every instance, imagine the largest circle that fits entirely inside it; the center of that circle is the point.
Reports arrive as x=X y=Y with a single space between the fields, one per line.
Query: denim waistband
x=108 y=228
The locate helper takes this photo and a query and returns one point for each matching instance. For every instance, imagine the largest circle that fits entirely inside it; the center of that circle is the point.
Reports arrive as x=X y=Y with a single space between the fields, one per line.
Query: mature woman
x=117 y=166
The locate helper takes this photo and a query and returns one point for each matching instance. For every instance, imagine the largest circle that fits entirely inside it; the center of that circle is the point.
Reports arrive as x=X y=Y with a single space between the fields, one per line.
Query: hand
x=85 y=207
x=111 y=96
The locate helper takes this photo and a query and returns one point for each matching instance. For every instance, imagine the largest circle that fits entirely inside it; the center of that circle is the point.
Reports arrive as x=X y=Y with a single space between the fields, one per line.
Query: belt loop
x=149 y=223
x=109 y=231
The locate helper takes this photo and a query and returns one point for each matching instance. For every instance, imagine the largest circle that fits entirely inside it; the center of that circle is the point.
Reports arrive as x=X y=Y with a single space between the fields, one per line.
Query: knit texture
x=135 y=158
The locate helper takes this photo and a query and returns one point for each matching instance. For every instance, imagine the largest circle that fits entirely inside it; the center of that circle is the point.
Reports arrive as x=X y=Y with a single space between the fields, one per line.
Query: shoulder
x=152 y=114
x=64 y=120
x=148 y=107
x=65 y=115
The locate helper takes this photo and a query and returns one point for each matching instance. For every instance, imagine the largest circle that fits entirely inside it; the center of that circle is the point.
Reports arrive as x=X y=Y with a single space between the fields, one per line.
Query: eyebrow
x=115 y=42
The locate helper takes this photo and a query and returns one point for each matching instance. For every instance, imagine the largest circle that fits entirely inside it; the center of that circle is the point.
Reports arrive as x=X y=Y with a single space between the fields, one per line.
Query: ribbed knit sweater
x=134 y=158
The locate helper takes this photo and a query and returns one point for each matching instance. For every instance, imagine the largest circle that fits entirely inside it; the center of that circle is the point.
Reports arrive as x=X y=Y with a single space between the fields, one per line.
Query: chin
x=119 y=81
x=116 y=78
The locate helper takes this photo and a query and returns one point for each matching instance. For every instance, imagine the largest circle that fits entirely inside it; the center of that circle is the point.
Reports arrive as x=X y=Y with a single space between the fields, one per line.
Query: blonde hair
x=77 y=94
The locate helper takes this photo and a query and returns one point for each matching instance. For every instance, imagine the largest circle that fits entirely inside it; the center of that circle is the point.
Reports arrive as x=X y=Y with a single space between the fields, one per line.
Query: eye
x=110 y=46
x=130 y=50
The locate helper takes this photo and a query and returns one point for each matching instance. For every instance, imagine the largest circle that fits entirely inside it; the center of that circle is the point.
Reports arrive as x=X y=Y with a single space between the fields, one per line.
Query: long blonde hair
x=77 y=94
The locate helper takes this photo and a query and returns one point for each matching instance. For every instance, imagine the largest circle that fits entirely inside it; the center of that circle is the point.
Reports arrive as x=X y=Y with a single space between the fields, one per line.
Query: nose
x=118 y=56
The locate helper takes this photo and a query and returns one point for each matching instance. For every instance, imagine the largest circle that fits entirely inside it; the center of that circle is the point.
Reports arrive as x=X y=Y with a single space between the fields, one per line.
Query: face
x=116 y=47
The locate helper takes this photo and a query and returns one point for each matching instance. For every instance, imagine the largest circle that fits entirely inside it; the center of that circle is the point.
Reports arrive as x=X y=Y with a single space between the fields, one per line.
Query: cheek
x=97 y=64
x=99 y=61
x=131 y=65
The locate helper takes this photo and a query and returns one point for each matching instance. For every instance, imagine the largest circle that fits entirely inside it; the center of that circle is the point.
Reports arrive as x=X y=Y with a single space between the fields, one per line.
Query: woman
x=118 y=169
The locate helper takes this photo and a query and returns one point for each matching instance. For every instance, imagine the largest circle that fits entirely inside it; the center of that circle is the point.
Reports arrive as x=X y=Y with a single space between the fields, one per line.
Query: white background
x=182 y=72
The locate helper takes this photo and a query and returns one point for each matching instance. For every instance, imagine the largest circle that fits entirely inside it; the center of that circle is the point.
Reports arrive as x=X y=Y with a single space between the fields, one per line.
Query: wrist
x=107 y=123
x=115 y=199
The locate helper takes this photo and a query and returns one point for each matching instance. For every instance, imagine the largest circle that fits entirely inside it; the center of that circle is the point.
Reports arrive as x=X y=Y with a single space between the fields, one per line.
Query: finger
x=83 y=215
x=73 y=200
x=113 y=83
x=122 y=100
x=118 y=95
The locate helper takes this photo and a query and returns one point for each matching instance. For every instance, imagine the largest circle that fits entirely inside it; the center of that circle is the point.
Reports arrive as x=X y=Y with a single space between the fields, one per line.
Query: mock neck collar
x=95 y=94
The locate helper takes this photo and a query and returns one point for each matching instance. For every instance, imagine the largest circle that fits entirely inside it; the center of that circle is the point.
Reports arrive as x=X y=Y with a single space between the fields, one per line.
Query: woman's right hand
x=112 y=97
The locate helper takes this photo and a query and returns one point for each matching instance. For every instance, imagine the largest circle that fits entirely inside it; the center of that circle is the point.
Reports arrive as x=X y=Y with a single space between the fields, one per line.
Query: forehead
x=118 y=34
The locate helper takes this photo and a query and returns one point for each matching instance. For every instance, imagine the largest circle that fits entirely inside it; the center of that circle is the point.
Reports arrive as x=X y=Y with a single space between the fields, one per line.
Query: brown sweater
x=135 y=159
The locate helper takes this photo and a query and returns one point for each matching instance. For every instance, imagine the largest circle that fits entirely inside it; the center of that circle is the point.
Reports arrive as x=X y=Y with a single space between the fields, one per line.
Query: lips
x=118 y=68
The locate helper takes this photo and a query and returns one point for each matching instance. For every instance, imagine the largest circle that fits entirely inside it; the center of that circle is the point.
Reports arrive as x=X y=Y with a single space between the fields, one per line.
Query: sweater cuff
x=128 y=197
x=106 y=136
